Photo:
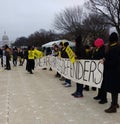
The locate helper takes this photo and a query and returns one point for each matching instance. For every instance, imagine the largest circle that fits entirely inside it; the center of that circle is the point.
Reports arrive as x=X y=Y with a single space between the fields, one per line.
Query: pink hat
x=98 y=42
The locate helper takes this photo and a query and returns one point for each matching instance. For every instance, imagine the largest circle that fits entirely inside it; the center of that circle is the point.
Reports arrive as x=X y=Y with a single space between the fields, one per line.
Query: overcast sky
x=23 y=17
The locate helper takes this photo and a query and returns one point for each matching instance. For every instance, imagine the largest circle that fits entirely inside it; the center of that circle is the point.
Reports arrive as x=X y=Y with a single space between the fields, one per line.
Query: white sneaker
x=68 y=85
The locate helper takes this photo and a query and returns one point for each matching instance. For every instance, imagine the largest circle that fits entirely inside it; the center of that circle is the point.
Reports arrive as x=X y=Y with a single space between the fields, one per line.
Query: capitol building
x=5 y=40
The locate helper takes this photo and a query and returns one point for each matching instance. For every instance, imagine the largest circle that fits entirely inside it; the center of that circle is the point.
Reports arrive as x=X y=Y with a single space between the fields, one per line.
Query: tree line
x=92 y=20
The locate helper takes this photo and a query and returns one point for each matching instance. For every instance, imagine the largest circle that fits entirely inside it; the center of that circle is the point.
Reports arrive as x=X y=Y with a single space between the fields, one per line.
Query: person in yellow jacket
x=30 y=60
x=32 y=54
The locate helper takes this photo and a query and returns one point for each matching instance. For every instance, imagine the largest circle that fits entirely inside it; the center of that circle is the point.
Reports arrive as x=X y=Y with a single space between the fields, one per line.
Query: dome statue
x=5 y=40
x=5 y=37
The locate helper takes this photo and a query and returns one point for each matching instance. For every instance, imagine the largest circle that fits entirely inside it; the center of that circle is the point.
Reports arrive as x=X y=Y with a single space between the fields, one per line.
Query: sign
x=88 y=72
x=71 y=54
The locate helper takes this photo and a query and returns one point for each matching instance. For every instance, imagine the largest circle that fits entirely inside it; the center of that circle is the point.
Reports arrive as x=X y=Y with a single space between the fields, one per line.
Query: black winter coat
x=111 y=75
x=80 y=53
x=99 y=53
x=64 y=54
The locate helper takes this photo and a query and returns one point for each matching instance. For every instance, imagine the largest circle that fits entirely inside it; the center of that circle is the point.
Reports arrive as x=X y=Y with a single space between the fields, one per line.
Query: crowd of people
x=15 y=55
x=109 y=55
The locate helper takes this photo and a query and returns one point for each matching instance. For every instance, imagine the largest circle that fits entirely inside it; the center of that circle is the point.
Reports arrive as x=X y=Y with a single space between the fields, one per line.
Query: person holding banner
x=87 y=56
x=111 y=75
x=99 y=53
x=61 y=48
x=20 y=56
x=80 y=54
x=56 y=54
x=64 y=54
x=15 y=55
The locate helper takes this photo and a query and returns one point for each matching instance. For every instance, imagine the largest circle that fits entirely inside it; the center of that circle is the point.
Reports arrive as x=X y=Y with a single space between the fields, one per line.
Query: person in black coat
x=80 y=54
x=65 y=55
x=111 y=75
x=87 y=56
x=1 y=56
x=8 y=57
x=15 y=55
x=99 y=53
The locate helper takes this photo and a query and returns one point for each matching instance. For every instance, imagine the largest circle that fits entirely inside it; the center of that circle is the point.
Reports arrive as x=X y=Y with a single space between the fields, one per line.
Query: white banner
x=88 y=72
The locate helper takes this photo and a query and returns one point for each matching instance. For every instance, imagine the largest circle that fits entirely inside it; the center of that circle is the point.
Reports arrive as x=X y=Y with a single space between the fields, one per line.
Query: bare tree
x=40 y=37
x=70 y=20
x=109 y=9
x=94 y=26
x=37 y=38
x=22 y=41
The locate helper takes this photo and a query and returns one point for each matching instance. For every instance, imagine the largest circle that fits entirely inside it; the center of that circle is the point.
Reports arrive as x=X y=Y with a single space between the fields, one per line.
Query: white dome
x=5 y=37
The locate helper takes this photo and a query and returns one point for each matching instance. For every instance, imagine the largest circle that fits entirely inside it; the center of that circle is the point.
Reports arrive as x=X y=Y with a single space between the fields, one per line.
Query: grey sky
x=23 y=17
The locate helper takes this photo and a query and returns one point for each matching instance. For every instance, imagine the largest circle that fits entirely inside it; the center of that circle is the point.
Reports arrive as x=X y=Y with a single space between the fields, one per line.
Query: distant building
x=5 y=40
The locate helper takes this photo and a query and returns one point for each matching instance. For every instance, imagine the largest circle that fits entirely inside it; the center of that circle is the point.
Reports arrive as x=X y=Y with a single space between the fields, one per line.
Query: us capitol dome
x=5 y=40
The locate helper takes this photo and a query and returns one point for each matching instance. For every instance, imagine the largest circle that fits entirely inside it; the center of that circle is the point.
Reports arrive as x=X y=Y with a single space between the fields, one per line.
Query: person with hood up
x=111 y=75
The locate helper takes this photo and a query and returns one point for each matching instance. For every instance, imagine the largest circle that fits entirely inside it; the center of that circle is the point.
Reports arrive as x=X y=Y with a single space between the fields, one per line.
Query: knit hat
x=98 y=42
x=113 y=37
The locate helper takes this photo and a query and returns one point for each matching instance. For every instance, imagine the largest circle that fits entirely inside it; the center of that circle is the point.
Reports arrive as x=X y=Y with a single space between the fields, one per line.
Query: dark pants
x=114 y=98
x=14 y=61
x=2 y=61
x=8 y=63
x=102 y=94
x=79 y=88
x=30 y=65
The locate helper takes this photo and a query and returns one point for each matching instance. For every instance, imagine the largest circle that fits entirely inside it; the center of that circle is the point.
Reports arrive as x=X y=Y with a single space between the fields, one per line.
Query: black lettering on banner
x=92 y=70
x=47 y=61
x=52 y=62
x=72 y=70
x=101 y=74
x=58 y=64
x=67 y=66
x=85 y=70
x=79 y=70
x=63 y=66
x=60 y=67
x=44 y=61
x=40 y=63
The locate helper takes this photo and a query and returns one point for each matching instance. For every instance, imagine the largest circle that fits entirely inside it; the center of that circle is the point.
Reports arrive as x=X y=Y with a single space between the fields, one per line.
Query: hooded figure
x=111 y=75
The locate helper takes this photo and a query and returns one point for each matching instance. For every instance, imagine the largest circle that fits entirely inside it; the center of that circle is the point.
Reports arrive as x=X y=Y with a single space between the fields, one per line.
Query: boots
x=112 y=109
x=86 y=88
